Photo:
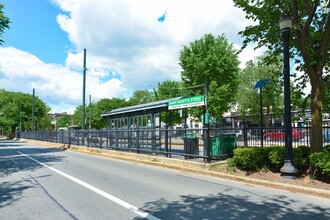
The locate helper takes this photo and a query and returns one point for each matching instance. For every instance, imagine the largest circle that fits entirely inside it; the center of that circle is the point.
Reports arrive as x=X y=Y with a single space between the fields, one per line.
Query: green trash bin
x=222 y=145
x=230 y=142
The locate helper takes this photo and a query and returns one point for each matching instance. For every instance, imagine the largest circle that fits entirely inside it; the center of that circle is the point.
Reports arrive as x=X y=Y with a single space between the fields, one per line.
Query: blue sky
x=129 y=46
x=34 y=28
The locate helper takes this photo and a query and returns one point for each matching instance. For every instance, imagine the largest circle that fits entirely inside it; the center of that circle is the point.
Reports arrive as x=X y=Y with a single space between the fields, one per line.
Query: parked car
x=326 y=136
x=279 y=135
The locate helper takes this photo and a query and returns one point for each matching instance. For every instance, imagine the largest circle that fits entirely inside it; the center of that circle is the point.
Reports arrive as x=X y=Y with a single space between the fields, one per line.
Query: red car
x=279 y=135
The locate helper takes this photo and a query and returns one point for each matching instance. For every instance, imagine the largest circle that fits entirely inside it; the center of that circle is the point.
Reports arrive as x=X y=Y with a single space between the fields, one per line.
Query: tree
x=299 y=102
x=141 y=97
x=211 y=61
x=166 y=90
x=310 y=46
x=326 y=95
x=45 y=122
x=77 y=116
x=248 y=97
x=4 y=22
x=97 y=109
x=104 y=106
x=10 y=105
x=64 y=121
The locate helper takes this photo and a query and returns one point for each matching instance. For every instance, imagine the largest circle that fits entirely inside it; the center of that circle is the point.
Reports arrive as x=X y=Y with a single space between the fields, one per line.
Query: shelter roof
x=136 y=109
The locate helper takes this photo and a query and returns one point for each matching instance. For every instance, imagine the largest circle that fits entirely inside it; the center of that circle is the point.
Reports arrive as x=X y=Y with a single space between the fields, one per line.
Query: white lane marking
x=98 y=191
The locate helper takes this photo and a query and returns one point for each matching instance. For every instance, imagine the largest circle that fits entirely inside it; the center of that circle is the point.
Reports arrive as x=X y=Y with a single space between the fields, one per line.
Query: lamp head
x=285 y=22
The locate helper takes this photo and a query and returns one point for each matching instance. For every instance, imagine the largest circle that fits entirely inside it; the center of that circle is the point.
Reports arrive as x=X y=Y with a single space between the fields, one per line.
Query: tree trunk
x=316 y=141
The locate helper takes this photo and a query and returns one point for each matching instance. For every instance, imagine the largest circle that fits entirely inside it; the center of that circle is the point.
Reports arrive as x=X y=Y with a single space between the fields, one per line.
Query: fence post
x=117 y=138
x=166 y=140
x=111 y=138
x=207 y=141
x=153 y=139
x=130 y=136
x=245 y=135
x=100 y=139
x=137 y=139
x=108 y=136
x=62 y=136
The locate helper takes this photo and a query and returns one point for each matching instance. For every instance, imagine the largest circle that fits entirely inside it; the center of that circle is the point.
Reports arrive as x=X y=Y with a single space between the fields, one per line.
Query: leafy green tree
x=77 y=116
x=10 y=105
x=97 y=109
x=326 y=95
x=213 y=62
x=299 y=101
x=141 y=97
x=310 y=45
x=4 y=22
x=45 y=122
x=41 y=110
x=104 y=106
x=248 y=97
x=64 y=121
x=166 y=90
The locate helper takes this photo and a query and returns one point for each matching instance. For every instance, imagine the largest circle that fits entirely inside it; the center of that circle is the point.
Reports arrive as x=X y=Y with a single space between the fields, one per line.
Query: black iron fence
x=190 y=144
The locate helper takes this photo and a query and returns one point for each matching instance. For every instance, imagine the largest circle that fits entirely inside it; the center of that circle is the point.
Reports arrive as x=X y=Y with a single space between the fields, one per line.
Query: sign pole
x=260 y=84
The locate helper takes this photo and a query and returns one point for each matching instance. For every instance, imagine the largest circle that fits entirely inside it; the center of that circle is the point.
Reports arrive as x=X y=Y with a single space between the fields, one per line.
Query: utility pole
x=33 y=94
x=84 y=90
x=90 y=111
x=20 y=118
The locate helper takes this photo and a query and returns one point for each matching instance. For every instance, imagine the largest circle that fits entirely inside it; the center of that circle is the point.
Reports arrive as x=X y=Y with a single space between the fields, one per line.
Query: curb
x=189 y=166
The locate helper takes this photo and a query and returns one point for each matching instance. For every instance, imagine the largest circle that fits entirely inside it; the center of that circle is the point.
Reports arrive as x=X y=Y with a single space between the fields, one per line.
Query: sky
x=130 y=44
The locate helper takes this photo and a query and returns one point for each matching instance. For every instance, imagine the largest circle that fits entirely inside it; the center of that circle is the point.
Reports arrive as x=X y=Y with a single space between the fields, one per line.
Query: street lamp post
x=288 y=170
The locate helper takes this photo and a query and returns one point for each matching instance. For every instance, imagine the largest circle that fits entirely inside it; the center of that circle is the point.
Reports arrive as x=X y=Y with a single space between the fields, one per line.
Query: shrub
x=321 y=162
x=301 y=157
x=256 y=158
x=276 y=157
x=250 y=158
x=326 y=147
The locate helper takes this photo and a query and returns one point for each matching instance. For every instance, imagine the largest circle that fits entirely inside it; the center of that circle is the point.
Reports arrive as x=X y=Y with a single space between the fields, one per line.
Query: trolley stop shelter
x=139 y=128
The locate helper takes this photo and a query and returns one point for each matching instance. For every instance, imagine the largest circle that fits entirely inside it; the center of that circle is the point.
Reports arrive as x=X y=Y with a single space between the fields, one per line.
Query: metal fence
x=273 y=136
x=189 y=144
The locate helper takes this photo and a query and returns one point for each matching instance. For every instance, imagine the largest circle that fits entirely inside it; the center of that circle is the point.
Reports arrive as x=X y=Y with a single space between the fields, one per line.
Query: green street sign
x=186 y=102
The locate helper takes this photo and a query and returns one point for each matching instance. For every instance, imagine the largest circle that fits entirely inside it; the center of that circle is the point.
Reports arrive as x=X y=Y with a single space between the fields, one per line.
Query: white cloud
x=126 y=37
x=249 y=53
x=127 y=48
x=58 y=86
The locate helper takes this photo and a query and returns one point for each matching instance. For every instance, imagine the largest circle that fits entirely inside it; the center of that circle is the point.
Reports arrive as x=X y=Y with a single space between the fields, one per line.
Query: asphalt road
x=44 y=183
